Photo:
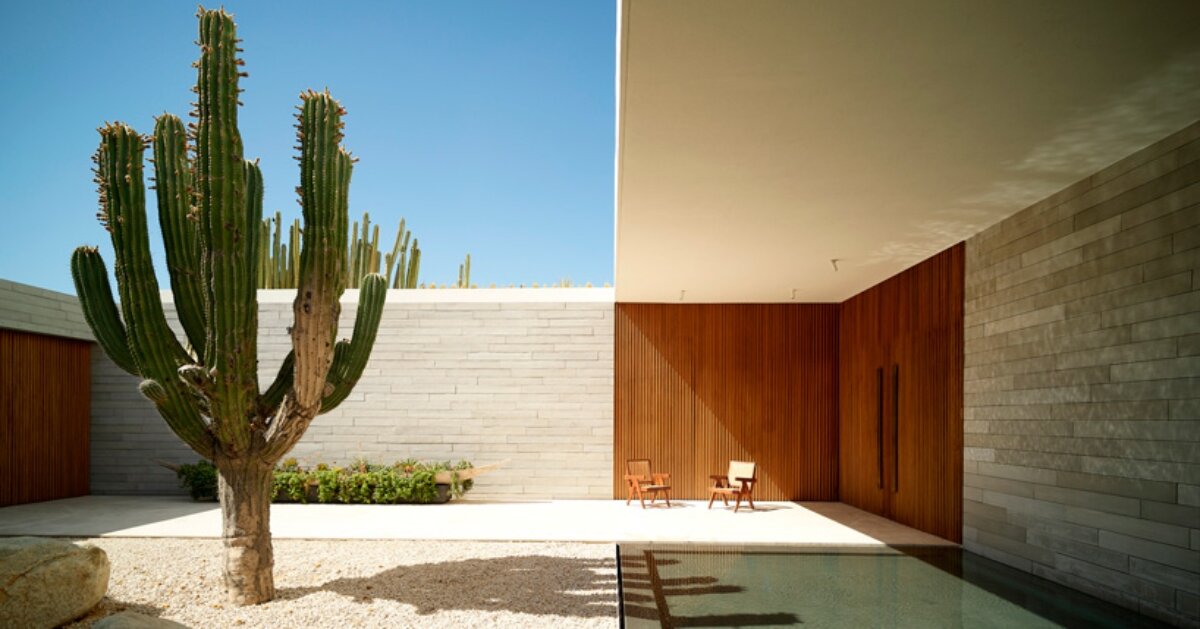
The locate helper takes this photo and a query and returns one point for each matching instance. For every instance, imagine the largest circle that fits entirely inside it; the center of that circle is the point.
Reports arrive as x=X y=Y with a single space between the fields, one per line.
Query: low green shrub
x=408 y=481
x=200 y=480
x=291 y=483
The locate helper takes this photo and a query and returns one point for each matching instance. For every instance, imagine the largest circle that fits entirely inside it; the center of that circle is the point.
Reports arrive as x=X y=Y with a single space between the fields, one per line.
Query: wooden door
x=900 y=398
x=863 y=396
x=927 y=398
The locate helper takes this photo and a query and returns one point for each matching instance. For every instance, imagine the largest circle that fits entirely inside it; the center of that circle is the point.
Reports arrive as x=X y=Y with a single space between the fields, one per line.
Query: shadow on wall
x=1147 y=110
x=536 y=585
x=700 y=385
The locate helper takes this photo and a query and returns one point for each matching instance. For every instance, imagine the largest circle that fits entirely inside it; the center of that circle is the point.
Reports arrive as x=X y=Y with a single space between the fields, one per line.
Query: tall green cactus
x=210 y=209
x=464 y=273
x=279 y=267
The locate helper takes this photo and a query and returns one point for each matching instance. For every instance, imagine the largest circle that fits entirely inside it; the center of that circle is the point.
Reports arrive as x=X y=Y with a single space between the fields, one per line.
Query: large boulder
x=134 y=620
x=48 y=582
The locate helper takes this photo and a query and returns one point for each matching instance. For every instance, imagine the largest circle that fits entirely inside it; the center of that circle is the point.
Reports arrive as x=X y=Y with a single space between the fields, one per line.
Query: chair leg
x=725 y=499
x=711 y=497
x=630 y=498
x=750 y=499
x=667 y=497
x=739 y=503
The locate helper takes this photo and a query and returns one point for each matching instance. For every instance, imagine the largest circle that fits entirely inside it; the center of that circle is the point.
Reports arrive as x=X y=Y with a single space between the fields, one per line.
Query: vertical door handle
x=896 y=426
x=879 y=423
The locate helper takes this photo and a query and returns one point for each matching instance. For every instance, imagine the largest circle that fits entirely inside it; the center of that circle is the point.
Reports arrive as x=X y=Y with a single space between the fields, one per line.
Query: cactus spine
x=218 y=252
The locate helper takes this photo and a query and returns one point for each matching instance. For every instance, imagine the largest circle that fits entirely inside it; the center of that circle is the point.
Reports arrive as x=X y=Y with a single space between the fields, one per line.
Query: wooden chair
x=642 y=481
x=739 y=482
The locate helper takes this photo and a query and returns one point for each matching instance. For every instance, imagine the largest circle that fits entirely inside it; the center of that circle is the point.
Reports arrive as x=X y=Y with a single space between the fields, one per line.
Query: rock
x=48 y=582
x=134 y=620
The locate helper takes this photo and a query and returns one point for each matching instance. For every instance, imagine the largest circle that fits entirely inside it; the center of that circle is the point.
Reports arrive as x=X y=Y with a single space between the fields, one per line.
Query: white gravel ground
x=360 y=583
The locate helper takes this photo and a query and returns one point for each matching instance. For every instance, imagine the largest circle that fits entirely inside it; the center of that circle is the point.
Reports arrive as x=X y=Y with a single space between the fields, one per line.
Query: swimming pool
x=711 y=586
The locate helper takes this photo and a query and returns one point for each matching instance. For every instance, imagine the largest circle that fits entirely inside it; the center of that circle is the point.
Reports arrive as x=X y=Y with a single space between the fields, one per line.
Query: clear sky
x=487 y=124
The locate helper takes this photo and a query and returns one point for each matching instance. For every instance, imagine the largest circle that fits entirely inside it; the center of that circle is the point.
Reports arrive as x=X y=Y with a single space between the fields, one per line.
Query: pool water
x=708 y=586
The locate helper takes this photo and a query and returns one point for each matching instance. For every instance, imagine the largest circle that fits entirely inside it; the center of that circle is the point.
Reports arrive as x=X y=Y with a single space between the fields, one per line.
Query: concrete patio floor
x=787 y=523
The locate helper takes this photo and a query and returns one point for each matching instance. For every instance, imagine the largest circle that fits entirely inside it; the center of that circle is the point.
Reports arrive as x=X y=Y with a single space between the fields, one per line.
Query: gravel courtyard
x=363 y=583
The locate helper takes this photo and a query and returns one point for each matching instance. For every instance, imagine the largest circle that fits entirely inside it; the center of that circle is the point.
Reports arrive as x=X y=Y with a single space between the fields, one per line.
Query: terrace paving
x=607 y=521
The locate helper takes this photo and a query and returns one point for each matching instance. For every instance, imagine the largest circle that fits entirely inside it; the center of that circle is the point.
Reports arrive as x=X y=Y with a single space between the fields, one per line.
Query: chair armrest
x=746 y=480
x=717 y=477
x=660 y=477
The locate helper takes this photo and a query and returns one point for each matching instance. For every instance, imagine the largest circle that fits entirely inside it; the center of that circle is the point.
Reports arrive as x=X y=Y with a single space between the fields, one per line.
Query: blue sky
x=488 y=125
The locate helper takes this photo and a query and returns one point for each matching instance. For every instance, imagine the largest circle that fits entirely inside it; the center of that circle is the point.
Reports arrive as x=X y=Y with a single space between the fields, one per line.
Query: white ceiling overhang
x=758 y=141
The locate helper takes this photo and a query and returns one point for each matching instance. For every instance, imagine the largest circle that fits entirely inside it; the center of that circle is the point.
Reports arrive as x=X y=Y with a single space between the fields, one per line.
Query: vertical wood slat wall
x=800 y=390
x=45 y=398
x=910 y=325
x=700 y=384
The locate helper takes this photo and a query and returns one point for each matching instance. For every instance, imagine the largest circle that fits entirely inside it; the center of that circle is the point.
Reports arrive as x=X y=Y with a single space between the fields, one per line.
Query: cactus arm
x=155 y=350
x=99 y=308
x=254 y=200
x=325 y=169
x=414 y=265
x=364 y=254
x=181 y=415
x=293 y=262
x=263 y=247
x=351 y=358
x=325 y=179
x=276 y=249
x=373 y=263
x=181 y=240
x=393 y=257
x=352 y=260
x=231 y=309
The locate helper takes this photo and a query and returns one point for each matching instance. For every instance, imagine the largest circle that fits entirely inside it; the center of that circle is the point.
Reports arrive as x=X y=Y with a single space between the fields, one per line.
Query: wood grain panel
x=45 y=397
x=862 y=379
x=699 y=385
x=910 y=328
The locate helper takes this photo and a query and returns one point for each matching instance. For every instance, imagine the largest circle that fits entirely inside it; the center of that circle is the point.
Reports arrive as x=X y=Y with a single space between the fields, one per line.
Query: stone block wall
x=517 y=375
x=1082 y=404
x=32 y=309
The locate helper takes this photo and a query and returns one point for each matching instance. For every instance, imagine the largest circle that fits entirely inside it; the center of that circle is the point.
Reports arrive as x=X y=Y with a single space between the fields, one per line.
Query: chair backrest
x=639 y=468
x=740 y=469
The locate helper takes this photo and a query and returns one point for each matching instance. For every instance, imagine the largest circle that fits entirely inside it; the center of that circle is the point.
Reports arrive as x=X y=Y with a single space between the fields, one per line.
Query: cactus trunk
x=218 y=251
x=245 y=487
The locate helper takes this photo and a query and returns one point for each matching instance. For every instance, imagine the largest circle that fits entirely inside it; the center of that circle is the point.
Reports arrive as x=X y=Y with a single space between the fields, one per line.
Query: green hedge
x=408 y=481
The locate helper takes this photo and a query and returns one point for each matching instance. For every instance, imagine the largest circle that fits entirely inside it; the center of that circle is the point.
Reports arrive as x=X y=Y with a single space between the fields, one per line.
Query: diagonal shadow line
x=699 y=402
